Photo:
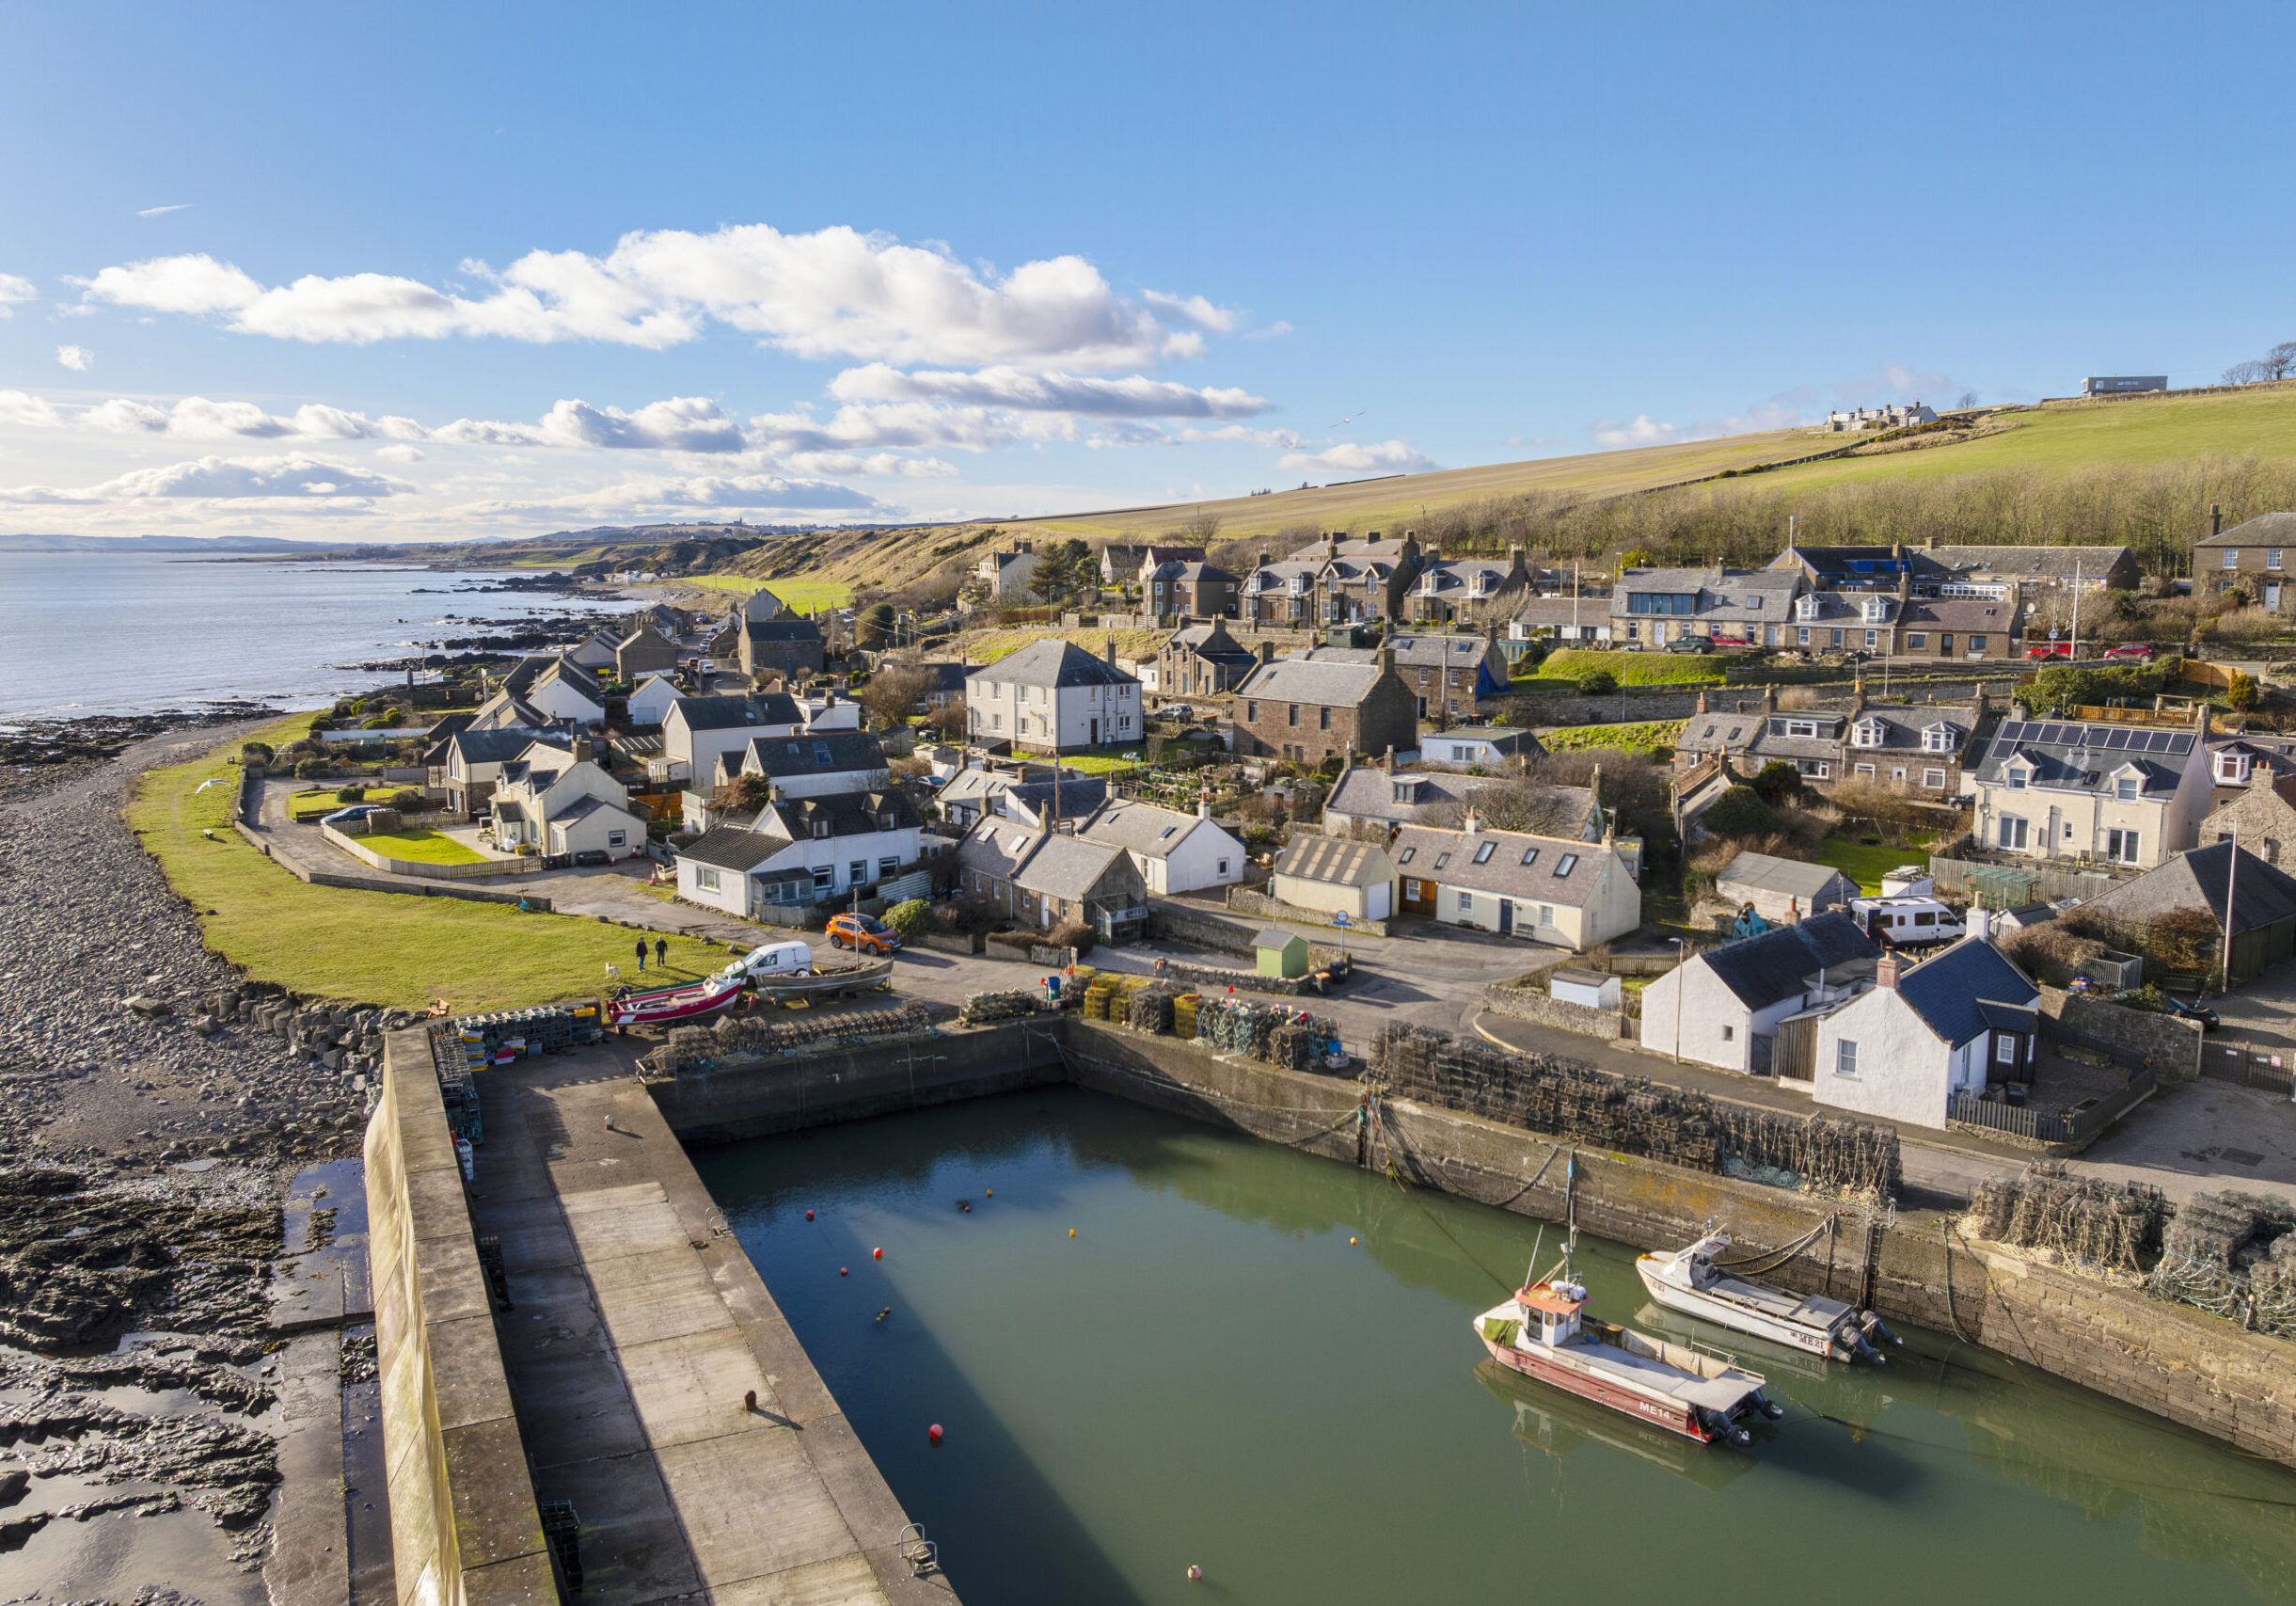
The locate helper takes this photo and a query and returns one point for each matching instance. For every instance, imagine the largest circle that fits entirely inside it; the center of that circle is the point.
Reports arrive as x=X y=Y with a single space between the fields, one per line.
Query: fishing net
x=2116 y=1225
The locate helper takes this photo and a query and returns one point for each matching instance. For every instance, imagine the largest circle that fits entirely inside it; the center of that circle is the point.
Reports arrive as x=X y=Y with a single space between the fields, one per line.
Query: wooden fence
x=2073 y=1126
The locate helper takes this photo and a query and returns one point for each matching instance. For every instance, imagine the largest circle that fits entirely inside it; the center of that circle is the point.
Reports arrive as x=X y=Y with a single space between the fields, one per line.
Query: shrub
x=1597 y=683
x=1778 y=781
x=408 y=800
x=1740 y=812
x=1072 y=934
x=910 y=918
x=310 y=769
x=2064 y=687
x=255 y=752
x=349 y=794
x=2241 y=694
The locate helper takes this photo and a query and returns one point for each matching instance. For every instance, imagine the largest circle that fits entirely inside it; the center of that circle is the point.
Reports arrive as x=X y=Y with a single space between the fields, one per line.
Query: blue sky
x=432 y=271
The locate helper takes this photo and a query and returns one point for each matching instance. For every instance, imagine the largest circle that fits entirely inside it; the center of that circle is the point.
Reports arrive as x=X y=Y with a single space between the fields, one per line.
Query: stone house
x=1041 y=878
x=787 y=647
x=1953 y=1023
x=2231 y=886
x=1174 y=851
x=1911 y=747
x=474 y=760
x=1369 y=796
x=1129 y=564
x=1449 y=676
x=1195 y=589
x=1202 y=660
x=1005 y=575
x=643 y=651
x=559 y=799
x=1468 y=589
x=1054 y=697
x=2114 y=567
x=1305 y=711
x=2111 y=793
x=1722 y=1006
x=1960 y=627
x=595 y=651
x=2238 y=765
x=1031 y=794
x=2250 y=557
x=1338 y=583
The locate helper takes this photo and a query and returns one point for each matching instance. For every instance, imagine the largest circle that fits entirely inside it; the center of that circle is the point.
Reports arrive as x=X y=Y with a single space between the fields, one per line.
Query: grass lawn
x=989 y=647
x=1106 y=763
x=1567 y=664
x=1640 y=736
x=801 y=594
x=1866 y=864
x=421 y=846
x=376 y=947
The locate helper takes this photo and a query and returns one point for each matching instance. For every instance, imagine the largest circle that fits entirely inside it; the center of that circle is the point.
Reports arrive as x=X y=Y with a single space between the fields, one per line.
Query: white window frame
x=706 y=878
x=2013 y=833
x=2004 y=1049
x=2123 y=847
x=1933 y=780
x=1845 y=1056
x=1466 y=903
x=2232 y=557
x=2272 y=557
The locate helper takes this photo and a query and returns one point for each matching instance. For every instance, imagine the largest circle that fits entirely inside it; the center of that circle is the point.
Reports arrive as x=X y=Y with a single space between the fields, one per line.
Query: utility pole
x=2232 y=870
x=2076 y=605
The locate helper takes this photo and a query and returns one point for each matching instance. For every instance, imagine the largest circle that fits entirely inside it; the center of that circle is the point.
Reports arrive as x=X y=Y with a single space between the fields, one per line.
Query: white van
x=774 y=959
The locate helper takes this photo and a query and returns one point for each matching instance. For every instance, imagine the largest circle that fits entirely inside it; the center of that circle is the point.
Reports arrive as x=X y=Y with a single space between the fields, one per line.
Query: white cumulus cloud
x=836 y=291
x=1039 y=390
x=76 y=357
x=294 y=476
x=1349 y=456
x=1643 y=431
x=13 y=290
x=400 y=454
x=18 y=406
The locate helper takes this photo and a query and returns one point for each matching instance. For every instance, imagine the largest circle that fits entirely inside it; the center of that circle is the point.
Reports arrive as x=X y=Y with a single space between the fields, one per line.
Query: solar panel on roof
x=2180 y=744
x=2158 y=741
x=2013 y=730
x=2116 y=740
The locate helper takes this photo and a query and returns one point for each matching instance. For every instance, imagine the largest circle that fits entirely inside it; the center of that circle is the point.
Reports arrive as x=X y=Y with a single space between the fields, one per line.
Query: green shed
x=1281 y=953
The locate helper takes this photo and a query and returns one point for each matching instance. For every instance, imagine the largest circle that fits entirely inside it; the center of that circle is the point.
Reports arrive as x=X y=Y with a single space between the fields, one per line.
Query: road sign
x=1341 y=920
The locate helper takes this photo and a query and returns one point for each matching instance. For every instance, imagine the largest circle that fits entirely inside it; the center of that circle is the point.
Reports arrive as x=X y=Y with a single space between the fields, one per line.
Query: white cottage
x=1947 y=1025
x=1174 y=853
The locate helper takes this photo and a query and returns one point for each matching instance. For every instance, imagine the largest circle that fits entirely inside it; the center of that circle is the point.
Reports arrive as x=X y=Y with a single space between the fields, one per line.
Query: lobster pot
x=1152 y=1007
x=1185 y=1014
x=999 y=1005
x=546 y=1028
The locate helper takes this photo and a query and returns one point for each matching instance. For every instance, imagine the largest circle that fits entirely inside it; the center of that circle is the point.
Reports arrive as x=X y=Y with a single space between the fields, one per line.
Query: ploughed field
x=1261 y=1363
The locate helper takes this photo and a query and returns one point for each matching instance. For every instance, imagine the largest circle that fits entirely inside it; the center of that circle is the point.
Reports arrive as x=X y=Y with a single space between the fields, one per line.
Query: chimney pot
x=1388 y=763
x=1885 y=972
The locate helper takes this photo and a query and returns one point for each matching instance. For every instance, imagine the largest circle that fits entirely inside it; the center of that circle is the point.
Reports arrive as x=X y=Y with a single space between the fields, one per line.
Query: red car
x=2048 y=650
x=2128 y=652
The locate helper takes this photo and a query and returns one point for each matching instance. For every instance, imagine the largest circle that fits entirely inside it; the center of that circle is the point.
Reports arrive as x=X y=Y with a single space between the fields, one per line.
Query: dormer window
x=2015 y=777
x=1938 y=738
x=2126 y=787
x=2231 y=767
x=1876 y=610
x=1867 y=734
x=1806 y=608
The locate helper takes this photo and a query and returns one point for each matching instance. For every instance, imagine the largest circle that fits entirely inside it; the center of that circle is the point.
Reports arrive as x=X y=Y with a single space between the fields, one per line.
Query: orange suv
x=864 y=933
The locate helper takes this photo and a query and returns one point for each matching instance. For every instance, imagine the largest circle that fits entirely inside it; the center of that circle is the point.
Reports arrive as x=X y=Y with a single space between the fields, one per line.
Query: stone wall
x=2169 y=1046
x=464 y=1527
x=1172 y=924
x=1529 y=1003
x=1262 y=906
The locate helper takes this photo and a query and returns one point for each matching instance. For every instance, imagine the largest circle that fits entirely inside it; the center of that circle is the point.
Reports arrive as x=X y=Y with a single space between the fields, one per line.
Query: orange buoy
x=877 y=1254
x=992 y=1193
x=841 y=1271
x=1350 y=1240
x=933 y=1433
x=1072 y=1232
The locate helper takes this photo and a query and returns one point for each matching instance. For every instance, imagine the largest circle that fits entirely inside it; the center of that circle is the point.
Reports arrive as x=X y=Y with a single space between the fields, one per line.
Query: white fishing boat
x=1691 y=1281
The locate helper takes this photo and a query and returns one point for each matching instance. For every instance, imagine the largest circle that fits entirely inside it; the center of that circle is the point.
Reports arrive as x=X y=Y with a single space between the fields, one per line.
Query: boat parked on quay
x=1692 y=1281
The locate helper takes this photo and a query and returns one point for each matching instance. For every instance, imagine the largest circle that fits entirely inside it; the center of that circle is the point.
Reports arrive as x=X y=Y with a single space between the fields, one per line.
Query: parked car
x=1689 y=643
x=2048 y=649
x=864 y=933
x=593 y=856
x=2129 y=652
x=346 y=816
x=2193 y=1012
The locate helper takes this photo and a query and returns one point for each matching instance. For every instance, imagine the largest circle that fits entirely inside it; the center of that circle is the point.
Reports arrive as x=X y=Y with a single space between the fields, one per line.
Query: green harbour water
x=1209 y=1372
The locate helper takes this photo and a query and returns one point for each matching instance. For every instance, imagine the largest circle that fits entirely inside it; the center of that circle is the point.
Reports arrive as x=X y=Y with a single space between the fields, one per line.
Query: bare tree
x=893 y=692
x=1199 y=530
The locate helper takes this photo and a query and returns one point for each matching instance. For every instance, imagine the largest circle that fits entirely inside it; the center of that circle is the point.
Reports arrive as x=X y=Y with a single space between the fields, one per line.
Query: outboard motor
x=1876 y=1333
x=1766 y=1406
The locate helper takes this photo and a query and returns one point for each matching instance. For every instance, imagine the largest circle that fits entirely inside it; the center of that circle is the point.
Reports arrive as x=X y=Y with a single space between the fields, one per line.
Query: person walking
x=661 y=953
x=642 y=954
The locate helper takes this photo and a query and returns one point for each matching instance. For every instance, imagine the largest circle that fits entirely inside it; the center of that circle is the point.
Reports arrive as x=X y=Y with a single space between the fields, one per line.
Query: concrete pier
x=636 y=1329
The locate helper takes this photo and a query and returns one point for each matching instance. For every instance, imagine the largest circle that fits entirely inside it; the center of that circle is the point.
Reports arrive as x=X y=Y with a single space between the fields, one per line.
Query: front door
x=1096 y=733
x=1506 y=916
x=2271 y=595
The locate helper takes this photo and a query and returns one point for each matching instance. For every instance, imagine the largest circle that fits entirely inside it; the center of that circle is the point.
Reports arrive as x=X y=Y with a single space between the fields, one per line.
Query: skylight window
x=1565 y=865
x=1442 y=859
x=1482 y=853
x=1530 y=855
x=1405 y=856
x=1167 y=832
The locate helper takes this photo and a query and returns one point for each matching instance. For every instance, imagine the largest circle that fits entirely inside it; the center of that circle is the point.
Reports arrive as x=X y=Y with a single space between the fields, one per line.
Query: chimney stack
x=1388 y=763
x=1981 y=924
x=1474 y=821
x=1386 y=660
x=1266 y=649
x=581 y=749
x=1702 y=702
x=1110 y=652
x=1885 y=972
x=1769 y=699
x=1264 y=560
x=1203 y=805
x=2216 y=518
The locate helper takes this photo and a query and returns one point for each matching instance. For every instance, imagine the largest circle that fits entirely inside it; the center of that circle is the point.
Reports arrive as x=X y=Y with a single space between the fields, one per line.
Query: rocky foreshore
x=35 y=755
x=152 y=1107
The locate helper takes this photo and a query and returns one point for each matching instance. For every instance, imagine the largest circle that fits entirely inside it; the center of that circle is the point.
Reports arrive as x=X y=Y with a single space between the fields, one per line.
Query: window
x=2232 y=557
x=1916 y=640
x=1565 y=865
x=1976 y=646
x=824 y=878
x=1295 y=718
x=996 y=721
x=1872 y=638
x=1546 y=916
x=1729 y=1033
x=1466 y=903
x=888 y=867
x=1801 y=728
x=1530 y=855
x=2012 y=831
x=706 y=878
x=2271 y=558
x=2125 y=789
x=1406 y=855
x=2231 y=766
x=1804 y=633
x=857 y=872
x=1868 y=734
x=2121 y=847
x=1483 y=852
x=2004 y=1050
x=821 y=753
x=1938 y=738
x=1864 y=771
x=1845 y=1058
x=1223 y=867
x=1945 y=643
x=820 y=828
x=1442 y=859
x=1815 y=768
x=1934 y=780
x=1323 y=718
x=2014 y=778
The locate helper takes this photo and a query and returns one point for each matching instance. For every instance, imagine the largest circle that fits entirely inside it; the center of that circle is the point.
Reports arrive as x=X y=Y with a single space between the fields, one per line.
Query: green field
x=989 y=647
x=1564 y=666
x=1866 y=864
x=376 y=947
x=802 y=594
x=1641 y=735
x=1106 y=763
x=419 y=847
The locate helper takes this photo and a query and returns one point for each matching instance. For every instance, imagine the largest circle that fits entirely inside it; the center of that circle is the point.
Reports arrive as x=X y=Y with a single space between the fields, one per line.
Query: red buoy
x=933 y=1433
x=841 y=1271
x=809 y=1216
x=877 y=1254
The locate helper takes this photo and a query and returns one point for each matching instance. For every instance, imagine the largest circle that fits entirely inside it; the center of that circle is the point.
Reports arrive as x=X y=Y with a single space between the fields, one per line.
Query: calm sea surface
x=1210 y=1372
x=97 y=634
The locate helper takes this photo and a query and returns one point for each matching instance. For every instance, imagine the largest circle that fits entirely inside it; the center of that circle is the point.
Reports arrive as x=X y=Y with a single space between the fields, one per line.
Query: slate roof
x=1210 y=643
x=1051 y=661
x=1069 y=867
x=725 y=713
x=848 y=814
x=1509 y=740
x=2032 y=561
x=582 y=807
x=995 y=847
x=1368 y=792
x=501 y=746
x=728 y=848
x=1903 y=729
x=2068 y=756
x=1336 y=861
x=1961 y=613
x=829 y=753
x=1316 y=682
x=1141 y=828
x=2265 y=530
x=1517 y=865
x=1760 y=970
x=943 y=677
x=1766 y=873
x=1273 y=577
x=1556 y=610
x=2262 y=894
x=1459 y=576
x=1879 y=562
x=1949 y=992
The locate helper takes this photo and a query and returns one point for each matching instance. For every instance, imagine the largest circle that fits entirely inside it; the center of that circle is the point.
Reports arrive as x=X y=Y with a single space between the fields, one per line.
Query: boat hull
x=1728 y=1314
x=1590 y=1385
x=659 y=1008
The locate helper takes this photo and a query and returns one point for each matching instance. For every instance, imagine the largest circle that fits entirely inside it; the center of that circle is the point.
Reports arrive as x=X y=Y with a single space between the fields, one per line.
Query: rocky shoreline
x=497 y=639
x=153 y=1109
x=36 y=754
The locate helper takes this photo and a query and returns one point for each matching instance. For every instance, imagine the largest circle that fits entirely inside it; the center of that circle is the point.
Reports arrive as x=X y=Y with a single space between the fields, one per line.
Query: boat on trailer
x=1544 y=1333
x=1692 y=1281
